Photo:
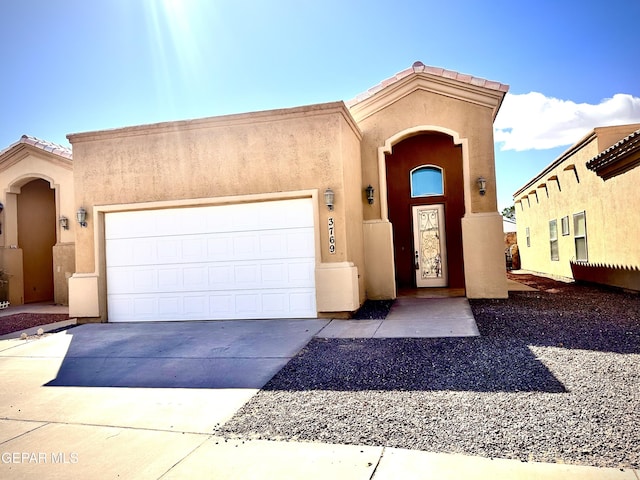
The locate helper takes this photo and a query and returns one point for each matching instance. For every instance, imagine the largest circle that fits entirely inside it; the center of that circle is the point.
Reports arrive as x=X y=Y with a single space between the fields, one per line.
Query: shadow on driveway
x=213 y=354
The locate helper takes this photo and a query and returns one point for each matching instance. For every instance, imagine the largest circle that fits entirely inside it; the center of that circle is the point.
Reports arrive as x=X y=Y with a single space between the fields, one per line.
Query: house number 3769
x=332 y=236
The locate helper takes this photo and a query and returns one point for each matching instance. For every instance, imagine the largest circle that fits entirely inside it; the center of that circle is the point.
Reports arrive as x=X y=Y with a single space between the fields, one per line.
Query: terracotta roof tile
x=450 y=74
x=419 y=67
x=620 y=149
x=42 y=145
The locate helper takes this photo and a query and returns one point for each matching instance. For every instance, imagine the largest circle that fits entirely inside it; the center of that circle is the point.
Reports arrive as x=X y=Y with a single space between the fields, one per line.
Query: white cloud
x=533 y=121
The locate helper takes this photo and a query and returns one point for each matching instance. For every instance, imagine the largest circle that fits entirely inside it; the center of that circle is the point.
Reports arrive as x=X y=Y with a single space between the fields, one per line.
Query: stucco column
x=484 y=262
x=379 y=258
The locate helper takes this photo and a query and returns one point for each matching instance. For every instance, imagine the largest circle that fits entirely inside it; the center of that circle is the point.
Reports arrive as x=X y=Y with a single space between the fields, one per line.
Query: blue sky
x=75 y=65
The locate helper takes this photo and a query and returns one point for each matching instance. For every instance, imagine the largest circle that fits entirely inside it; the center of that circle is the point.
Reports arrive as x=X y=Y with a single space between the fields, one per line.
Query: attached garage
x=249 y=260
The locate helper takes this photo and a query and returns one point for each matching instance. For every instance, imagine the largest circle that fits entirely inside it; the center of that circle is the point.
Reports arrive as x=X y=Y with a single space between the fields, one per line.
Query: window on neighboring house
x=580 y=236
x=553 y=240
x=426 y=181
x=565 y=225
x=528 y=234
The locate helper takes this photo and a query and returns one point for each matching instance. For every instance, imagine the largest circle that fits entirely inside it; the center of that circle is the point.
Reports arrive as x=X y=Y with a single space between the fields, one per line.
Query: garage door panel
x=168 y=250
x=119 y=252
x=131 y=252
x=197 y=220
x=144 y=252
x=120 y=307
x=145 y=280
x=295 y=214
x=273 y=273
x=212 y=276
x=193 y=249
x=196 y=305
x=211 y=247
x=301 y=274
x=232 y=261
x=207 y=306
x=169 y=279
x=220 y=275
x=222 y=305
x=273 y=245
x=275 y=303
x=246 y=275
x=189 y=219
x=300 y=242
x=245 y=247
x=247 y=303
x=120 y=280
x=302 y=301
x=145 y=307
x=219 y=247
x=195 y=278
x=169 y=306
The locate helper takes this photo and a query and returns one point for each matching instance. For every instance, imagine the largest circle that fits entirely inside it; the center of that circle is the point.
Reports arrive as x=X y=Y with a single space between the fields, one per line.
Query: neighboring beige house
x=577 y=218
x=36 y=250
x=292 y=213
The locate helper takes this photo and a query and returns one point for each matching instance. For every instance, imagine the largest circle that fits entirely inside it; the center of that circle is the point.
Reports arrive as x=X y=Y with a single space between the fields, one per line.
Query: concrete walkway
x=412 y=317
x=144 y=401
x=45 y=307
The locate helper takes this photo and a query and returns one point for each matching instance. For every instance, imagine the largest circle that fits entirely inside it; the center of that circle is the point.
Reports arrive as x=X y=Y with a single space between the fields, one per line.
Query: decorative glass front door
x=430 y=254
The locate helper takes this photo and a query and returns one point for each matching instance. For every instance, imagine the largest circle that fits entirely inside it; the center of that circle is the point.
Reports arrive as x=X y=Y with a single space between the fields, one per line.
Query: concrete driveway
x=144 y=401
x=184 y=376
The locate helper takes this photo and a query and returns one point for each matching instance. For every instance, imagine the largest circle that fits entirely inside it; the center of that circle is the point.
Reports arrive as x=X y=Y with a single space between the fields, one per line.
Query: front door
x=429 y=244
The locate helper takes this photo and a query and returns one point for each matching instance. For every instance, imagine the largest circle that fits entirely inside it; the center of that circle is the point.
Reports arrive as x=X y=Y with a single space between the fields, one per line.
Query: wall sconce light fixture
x=370 y=191
x=482 y=185
x=329 y=197
x=64 y=222
x=81 y=216
x=1 y=209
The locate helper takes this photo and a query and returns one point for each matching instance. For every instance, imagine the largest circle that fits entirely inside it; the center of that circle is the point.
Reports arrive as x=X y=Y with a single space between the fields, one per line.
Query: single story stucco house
x=292 y=213
x=576 y=218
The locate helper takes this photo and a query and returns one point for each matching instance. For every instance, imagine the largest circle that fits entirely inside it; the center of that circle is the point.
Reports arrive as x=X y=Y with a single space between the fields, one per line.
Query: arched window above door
x=426 y=180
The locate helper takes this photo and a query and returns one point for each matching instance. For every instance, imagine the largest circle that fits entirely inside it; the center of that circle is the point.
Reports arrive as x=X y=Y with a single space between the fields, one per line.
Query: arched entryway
x=36 y=209
x=425 y=214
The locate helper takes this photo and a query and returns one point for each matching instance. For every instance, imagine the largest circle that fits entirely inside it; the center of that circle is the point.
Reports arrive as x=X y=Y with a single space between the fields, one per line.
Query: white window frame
x=565 y=225
x=553 y=240
x=527 y=233
x=577 y=237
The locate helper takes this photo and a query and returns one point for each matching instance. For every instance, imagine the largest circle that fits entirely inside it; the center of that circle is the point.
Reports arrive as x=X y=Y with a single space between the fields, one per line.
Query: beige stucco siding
x=354 y=204
x=224 y=156
x=539 y=205
x=470 y=121
x=299 y=153
x=239 y=158
x=471 y=125
x=608 y=206
x=19 y=166
x=33 y=165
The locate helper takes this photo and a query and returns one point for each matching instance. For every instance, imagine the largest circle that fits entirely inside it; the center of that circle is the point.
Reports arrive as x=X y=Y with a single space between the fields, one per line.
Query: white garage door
x=218 y=262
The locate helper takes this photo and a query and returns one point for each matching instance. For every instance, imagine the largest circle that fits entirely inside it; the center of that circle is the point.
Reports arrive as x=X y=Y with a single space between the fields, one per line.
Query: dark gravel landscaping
x=22 y=321
x=554 y=377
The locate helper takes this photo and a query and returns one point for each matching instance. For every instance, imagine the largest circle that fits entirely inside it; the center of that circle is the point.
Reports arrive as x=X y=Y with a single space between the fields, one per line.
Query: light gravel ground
x=555 y=377
x=543 y=404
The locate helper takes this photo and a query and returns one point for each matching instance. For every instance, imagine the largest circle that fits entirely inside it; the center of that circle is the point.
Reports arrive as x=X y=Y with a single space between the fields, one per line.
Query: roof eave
x=437 y=80
x=20 y=150
x=618 y=158
x=563 y=156
x=264 y=116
